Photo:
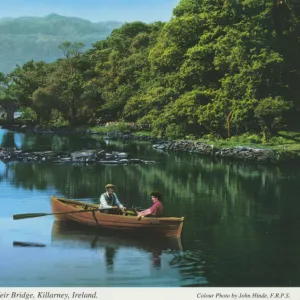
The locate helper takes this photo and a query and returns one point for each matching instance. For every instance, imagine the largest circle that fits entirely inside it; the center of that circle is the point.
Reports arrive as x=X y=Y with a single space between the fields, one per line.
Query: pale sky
x=93 y=10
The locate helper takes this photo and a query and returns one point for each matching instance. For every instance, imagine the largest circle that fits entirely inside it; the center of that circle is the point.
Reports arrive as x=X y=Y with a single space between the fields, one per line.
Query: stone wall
x=239 y=152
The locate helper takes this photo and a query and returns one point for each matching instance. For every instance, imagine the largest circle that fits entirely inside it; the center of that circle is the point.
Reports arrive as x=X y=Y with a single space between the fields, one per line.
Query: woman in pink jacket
x=156 y=209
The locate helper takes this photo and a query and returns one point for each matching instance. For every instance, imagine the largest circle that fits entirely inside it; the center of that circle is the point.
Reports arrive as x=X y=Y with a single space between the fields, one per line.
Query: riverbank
x=286 y=150
x=244 y=153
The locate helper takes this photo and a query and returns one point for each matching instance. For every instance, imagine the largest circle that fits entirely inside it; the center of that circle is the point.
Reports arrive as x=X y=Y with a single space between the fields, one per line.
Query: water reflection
x=63 y=142
x=8 y=140
x=241 y=219
x=69 y=235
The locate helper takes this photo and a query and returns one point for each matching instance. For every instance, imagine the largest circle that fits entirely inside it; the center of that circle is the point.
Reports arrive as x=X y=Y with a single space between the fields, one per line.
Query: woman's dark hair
x=157 y=195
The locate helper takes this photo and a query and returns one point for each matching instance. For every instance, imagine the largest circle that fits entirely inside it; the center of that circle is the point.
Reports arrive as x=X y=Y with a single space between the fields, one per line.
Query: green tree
x=8 y=99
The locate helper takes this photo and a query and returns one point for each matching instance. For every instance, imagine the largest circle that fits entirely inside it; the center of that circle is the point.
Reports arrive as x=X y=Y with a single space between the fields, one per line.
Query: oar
x=35 y=215
x=135 y=210
x=28 y=244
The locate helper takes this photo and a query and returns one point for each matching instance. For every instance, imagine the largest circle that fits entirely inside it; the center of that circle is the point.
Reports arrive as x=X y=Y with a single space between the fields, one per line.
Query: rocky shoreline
x=97 y=156
x=243 y=153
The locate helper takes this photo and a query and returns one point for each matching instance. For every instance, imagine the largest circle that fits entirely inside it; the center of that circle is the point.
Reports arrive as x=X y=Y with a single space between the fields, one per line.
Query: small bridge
x=7 y=110
x=3 y=113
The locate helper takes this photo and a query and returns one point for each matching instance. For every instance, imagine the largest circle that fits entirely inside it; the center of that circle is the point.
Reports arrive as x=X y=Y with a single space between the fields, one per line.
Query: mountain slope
x=37 y=38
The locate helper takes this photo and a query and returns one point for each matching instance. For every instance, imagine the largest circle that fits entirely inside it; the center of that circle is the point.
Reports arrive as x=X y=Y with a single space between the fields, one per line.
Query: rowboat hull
x=166 y=226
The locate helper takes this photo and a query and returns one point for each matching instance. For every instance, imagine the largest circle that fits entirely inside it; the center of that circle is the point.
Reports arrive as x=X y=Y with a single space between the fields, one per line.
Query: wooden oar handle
x=35 y=215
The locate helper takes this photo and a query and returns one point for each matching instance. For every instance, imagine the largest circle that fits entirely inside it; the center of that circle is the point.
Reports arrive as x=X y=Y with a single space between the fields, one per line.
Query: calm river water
x=241 y=228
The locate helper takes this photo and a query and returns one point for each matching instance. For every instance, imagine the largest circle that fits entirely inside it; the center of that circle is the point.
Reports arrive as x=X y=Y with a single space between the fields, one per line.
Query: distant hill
x=37 y=38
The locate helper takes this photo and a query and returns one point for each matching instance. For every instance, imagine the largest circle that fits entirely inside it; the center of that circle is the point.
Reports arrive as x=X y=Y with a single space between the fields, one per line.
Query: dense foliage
x=218 y=67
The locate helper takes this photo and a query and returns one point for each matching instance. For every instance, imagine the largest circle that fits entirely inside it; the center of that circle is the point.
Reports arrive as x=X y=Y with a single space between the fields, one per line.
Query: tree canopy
x=222 y=67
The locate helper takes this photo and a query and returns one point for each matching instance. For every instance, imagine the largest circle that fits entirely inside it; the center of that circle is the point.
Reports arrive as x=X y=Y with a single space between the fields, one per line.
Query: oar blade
x=28 y=244
x=26 y=216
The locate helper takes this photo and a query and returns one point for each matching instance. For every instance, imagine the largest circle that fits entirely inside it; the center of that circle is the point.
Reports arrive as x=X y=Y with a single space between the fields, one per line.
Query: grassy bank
x=283 y=141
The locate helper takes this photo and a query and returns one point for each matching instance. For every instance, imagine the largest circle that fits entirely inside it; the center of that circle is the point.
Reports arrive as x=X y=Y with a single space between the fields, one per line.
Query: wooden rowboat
x=166 y=226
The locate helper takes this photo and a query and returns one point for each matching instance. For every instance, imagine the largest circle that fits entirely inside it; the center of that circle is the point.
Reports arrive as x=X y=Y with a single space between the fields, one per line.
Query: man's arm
x=118 y=203
x=103 y=203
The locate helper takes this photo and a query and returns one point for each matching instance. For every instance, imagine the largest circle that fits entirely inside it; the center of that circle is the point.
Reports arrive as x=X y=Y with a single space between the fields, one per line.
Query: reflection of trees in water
x=74 y=142
x=192 y=267
x=8 y=140
x=190 y=184
x=246 y=214
x=71 y=180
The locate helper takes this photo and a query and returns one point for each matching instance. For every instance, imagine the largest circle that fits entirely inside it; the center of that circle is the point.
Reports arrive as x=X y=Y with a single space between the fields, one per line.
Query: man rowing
x=109 y=199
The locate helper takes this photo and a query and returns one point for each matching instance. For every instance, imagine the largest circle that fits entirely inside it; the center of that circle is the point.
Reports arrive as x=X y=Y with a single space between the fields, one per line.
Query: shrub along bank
x=284 y=148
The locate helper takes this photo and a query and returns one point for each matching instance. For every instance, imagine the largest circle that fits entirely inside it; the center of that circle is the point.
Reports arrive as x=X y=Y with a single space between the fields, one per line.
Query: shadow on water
x=188 y=264
x=71 y=235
